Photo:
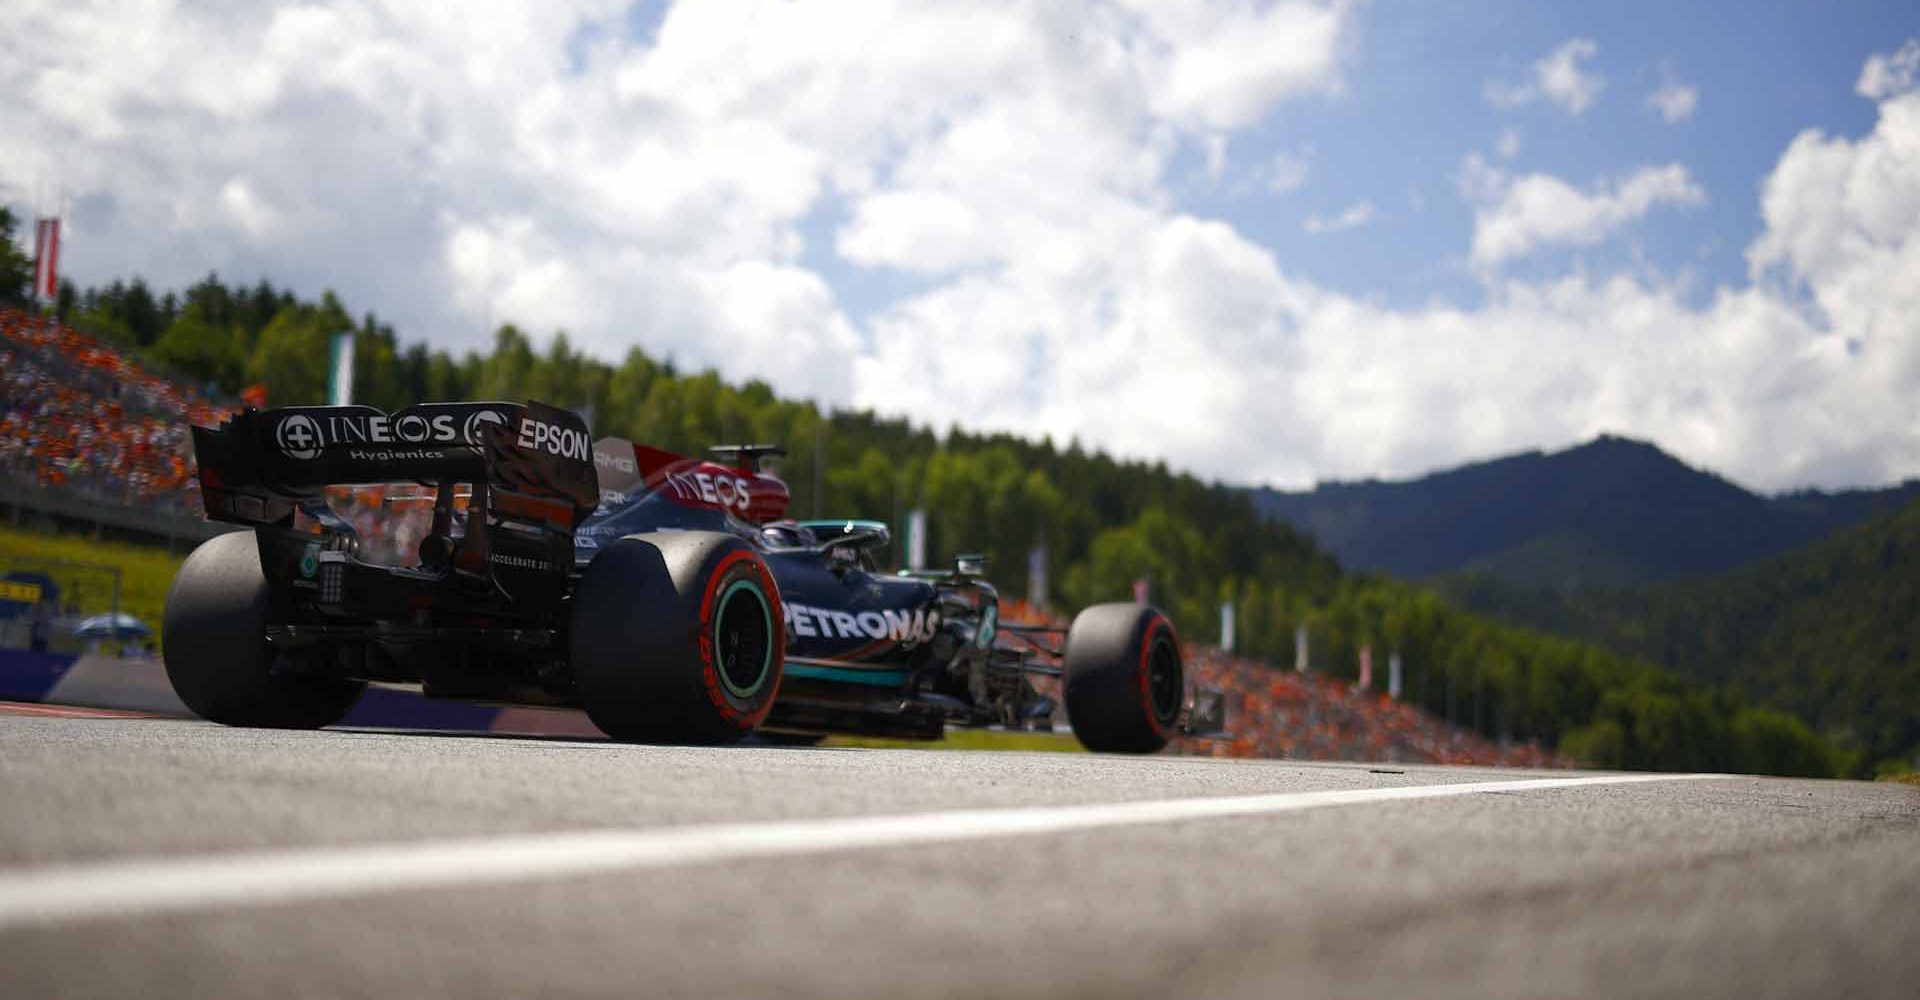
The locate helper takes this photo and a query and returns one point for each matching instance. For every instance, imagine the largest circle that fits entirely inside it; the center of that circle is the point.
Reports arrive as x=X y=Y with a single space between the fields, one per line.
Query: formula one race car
x=665 y=596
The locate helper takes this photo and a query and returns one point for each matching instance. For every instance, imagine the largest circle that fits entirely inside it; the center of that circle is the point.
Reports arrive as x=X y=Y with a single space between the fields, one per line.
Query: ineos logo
x=298 y=437
x=711 y=484
x=472 y=430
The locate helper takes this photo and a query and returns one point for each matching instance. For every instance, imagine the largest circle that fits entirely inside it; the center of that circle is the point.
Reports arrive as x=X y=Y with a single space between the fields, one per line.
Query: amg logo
x=619 y=463
x=537 y=435
x=898 y=625
x=517 y=562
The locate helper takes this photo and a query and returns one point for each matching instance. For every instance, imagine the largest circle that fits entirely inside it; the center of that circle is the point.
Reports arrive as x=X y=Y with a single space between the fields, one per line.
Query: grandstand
x=91 y=438
x=1286 y=714
x=79 y=416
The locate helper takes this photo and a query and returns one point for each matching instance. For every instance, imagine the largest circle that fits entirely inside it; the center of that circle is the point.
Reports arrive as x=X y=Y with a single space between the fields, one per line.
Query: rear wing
x=535 y=460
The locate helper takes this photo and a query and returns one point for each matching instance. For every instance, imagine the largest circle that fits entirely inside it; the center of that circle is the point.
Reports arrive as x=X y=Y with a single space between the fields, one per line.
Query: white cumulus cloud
x=1675 y=101
x=1288 y=171
x=1560 y=77
x=1520 y=215
x=1887 y=76
x=1221 y=65
x=1352 y=217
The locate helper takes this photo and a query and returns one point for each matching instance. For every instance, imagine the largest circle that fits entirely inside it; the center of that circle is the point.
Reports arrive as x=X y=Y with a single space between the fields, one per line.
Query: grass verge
x=145 y=573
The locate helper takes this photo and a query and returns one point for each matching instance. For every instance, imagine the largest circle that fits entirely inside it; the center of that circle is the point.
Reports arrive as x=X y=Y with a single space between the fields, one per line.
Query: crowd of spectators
x=1310 y=716
x=76 y=413
x=79 y=415
x=1285 y=714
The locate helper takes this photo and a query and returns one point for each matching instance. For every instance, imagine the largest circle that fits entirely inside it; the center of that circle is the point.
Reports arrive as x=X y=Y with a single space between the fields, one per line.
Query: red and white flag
x=46 y=259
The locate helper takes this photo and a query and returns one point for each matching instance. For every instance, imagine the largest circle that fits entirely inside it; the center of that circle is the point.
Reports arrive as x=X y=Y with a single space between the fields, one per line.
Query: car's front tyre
x=1125 y=684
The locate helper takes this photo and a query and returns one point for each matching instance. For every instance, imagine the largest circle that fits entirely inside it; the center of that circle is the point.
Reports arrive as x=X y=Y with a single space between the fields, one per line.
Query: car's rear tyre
x=678 y=637
x=216 y=650
x=1125 y=684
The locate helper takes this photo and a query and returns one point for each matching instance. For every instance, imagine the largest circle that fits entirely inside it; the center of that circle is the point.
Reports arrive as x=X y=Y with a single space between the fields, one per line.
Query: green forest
x=1829 y=631
x=1102 y=522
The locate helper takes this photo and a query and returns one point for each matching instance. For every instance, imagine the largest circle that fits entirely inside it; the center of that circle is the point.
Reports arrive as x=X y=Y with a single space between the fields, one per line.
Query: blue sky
x=1412 y=106
x=1376 y=238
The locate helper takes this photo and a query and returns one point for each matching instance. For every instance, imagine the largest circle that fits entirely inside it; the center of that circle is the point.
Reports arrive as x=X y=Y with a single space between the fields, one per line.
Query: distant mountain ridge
x=1612 y=512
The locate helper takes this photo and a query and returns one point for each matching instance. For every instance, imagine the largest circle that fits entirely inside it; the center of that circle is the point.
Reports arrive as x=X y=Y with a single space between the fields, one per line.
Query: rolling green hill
x=1829 y=631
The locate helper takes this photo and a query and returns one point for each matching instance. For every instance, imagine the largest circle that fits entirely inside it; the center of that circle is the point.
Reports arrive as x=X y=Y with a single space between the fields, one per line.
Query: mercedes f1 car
x=668 y=597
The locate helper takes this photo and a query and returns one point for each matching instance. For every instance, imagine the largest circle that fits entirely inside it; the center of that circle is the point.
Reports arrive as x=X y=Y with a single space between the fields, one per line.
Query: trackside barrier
x=140 y=685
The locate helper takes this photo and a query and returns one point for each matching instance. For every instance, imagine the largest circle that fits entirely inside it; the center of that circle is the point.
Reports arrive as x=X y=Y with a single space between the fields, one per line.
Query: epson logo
x=900 y=626
x=303 y=436
x=718 y=490
x=537 y=435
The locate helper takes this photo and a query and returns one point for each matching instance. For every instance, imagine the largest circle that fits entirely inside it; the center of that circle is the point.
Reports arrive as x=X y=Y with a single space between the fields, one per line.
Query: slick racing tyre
x=1125 y=685
x=678 y=637
x=216 y=650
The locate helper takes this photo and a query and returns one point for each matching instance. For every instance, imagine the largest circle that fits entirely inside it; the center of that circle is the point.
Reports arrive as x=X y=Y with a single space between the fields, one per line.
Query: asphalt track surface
x=161 y=858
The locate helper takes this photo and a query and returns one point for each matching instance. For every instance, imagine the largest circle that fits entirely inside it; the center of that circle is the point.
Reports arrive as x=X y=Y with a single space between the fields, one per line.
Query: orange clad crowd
x=1287 y=714
x=76 y=413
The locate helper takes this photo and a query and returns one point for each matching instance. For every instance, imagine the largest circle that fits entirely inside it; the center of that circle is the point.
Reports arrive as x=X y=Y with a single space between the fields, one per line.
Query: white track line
x=131 y=888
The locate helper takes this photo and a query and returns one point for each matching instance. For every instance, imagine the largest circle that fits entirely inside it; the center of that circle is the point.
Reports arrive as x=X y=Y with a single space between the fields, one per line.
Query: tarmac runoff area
x=159 y=857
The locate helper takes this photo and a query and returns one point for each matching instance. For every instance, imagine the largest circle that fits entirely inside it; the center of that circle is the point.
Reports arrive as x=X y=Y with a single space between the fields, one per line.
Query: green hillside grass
x=146 y=573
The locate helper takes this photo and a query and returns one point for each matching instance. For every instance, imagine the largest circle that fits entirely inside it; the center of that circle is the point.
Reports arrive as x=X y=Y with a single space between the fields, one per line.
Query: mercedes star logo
x=299 y=437
x=472 y=431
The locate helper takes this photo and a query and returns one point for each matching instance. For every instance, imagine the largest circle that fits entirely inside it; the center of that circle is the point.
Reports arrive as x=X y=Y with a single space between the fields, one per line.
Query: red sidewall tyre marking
x=776 y=624
x=1155 y=624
